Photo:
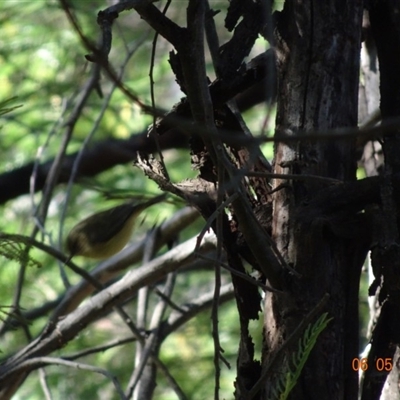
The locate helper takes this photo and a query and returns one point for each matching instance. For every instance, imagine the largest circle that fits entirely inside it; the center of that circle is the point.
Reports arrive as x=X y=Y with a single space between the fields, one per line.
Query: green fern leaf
x=16 y=251
x=291 y=371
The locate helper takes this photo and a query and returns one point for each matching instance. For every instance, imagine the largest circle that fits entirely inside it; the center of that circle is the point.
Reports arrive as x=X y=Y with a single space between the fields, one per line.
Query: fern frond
x=291 y=370
x=15 y=249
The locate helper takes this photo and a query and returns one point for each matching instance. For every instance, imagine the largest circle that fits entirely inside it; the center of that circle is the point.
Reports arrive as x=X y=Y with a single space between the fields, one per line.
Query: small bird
x=105 y=233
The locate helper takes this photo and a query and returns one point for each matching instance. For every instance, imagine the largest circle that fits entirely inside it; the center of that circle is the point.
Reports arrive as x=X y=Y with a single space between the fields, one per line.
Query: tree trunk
x=318 y=51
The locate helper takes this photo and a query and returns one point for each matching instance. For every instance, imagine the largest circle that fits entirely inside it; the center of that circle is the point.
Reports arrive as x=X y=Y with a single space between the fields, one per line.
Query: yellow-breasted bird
x=105 y=233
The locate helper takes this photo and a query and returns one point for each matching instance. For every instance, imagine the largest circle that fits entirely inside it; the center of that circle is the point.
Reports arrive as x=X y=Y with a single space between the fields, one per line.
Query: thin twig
x=59 y=361
x=101 y=348
x=271 y=175
x=152 y=344
x=153 y=100
x=43 y=384
x=142 y=304
x=248 y=278
x=194 y=307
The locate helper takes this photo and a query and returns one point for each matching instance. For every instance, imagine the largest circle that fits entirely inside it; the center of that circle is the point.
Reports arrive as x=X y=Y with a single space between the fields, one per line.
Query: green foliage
x=42 y=66
x=291 y=371
x=15 y=248
x=4 y=103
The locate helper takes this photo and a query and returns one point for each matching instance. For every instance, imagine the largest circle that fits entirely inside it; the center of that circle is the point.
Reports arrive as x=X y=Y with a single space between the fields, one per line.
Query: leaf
x=291 y=371
x=15 y=250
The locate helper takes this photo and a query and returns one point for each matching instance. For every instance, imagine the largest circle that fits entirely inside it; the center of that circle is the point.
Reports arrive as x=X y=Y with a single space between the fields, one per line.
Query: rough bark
x=318 y=47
